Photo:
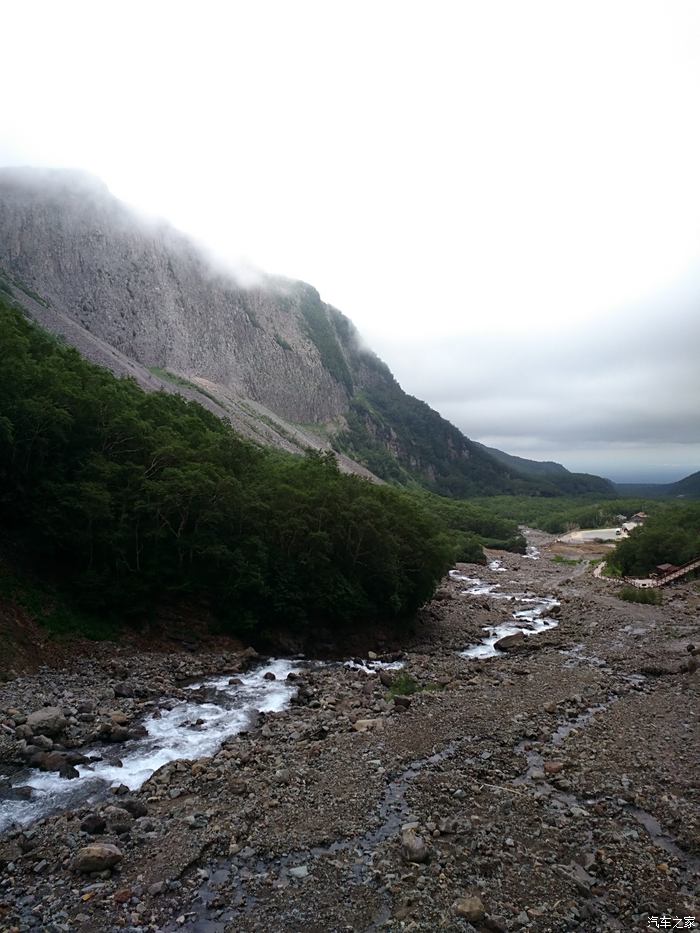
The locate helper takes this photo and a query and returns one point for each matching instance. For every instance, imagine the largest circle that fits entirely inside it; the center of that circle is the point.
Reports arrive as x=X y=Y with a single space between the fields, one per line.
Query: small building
x=662 y=570
x=640 y=517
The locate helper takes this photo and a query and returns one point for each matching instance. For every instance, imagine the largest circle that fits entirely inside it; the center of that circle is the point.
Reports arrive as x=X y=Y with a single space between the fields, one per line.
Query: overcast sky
x=503 y=196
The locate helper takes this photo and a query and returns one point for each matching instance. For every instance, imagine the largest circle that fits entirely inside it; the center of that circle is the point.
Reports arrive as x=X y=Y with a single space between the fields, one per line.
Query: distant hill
x=686 y=488
x=269 y=356
x=568 y=483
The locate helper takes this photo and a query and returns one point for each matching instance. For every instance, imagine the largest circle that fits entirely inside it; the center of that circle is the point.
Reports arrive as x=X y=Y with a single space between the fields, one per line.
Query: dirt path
x=551 y=788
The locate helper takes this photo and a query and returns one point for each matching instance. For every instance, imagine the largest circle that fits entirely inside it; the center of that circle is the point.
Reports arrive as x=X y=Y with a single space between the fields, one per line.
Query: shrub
x=404 y=685
x=634 y=594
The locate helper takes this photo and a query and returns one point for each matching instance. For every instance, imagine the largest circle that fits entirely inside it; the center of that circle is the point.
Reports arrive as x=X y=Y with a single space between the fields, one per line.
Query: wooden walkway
x=675 y=574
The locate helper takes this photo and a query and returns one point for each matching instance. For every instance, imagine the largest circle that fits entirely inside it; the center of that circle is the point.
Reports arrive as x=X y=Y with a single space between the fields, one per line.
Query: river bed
x=528 y=621
x=188 y=730
x=193 y=729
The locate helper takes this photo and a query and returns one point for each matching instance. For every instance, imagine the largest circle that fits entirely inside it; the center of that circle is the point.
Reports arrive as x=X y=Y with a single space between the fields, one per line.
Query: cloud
x=631 y=380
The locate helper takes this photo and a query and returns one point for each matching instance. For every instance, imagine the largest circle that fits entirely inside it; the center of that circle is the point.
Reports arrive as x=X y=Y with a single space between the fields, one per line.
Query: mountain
x=686 y=488
x=286 y=369
x=572 y=484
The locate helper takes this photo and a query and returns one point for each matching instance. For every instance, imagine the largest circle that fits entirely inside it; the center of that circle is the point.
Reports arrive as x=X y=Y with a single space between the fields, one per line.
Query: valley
x=222 y=477
x=547 y=787
x=350 y=468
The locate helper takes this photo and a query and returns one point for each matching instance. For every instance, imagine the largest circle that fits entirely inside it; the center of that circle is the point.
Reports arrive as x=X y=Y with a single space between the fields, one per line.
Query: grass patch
x=173 y=378
x=571 y=562
x=404 y=686
x=634 y=594
x=6 y=280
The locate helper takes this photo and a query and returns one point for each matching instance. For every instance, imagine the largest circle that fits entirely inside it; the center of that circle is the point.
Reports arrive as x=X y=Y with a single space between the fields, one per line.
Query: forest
x=130 y=500
x=559 y=515
x=671 y=536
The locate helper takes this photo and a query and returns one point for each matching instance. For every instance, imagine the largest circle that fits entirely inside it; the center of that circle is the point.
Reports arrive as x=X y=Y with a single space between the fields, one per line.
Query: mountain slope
x=570 y=484
x=284 y=367
x=686 y=488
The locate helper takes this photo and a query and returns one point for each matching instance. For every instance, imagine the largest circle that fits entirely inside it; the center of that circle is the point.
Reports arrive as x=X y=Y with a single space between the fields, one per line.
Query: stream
x=223 y=707
x=189 y=729
x=529 y=621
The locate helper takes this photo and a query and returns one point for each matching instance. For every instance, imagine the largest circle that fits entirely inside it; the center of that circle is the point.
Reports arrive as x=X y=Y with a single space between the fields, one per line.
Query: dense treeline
x=473 y=527
x=672 y=536
x=132 y=499
x=560 y=515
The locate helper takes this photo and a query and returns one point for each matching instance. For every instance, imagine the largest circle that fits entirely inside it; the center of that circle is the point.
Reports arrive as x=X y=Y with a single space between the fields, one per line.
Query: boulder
x=135 y=807
x=119 y=819
x=98 y=856
x=510 y=641
x=368 y=725
x=23 y=792
x=413 y=847
x=125 y=689
x=117 y=734
x=93 y=824
x=48 y=721
x=470 y=908
x=553 y=767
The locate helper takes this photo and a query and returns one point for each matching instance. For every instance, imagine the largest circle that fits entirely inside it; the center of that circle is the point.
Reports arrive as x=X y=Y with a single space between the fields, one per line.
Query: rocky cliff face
x=153 y=296
x=282 y=366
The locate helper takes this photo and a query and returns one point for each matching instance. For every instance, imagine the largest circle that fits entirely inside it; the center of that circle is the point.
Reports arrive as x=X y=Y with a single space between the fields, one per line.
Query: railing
x=678 y=572
x=655 y=582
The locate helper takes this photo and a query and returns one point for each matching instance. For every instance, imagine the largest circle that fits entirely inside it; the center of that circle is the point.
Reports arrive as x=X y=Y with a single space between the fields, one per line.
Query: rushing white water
x=189 y=730
x=529 y=621
x=370 y=667
x=497 y=566
x=532 y=552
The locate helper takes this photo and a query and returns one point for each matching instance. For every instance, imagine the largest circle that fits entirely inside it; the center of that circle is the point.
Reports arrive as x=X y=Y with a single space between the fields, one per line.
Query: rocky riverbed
x=550 y=786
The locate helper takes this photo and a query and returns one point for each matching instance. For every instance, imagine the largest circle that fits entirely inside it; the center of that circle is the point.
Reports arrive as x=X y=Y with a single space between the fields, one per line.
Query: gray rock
x=413 y=847
x=508 y=642
x=93 y=824
x=48 y=721
x=470 y=908
x=119 y=819
x=97 y=857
